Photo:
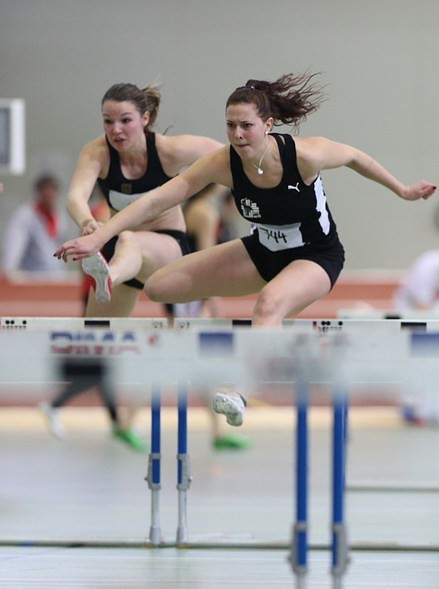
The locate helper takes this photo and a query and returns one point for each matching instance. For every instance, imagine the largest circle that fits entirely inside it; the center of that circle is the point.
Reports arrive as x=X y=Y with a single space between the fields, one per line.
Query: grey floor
x=76 y=513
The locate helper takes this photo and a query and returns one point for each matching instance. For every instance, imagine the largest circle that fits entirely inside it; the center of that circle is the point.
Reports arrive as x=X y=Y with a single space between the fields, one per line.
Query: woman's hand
x=81 y=247
x=91 y=226
x=419 y=190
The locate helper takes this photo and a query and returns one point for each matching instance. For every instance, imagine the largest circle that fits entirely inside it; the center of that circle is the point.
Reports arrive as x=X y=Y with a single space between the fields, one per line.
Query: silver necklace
x=258 y=167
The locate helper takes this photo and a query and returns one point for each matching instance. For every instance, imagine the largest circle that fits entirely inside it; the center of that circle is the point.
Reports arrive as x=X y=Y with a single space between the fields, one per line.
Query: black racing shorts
x=329 y=255
x=179 y=236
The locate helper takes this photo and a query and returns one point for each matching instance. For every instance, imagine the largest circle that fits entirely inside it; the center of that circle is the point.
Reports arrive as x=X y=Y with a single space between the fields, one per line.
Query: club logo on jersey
x=249 y=209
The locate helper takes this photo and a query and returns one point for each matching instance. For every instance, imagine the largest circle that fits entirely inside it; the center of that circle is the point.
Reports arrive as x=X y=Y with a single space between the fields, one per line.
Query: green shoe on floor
x=231 y=442
x=130 y=438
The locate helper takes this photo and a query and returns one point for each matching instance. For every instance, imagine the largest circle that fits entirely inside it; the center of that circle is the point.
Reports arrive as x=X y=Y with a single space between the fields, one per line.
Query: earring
x=266 y=132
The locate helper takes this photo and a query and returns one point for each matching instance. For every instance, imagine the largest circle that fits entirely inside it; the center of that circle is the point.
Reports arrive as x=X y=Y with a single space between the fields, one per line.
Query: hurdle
x=81 y=323
x=184 y=477
x=401 y=332
x=153 y=476
x=368 y=314
x=299 y=547
x=99 y=330
x=300 y=350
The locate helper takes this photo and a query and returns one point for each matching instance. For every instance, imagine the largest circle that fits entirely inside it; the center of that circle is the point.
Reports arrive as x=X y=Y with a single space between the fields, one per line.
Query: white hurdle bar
x=347 y=352
x=84 y=336
x=81 y=323
x=371 y=313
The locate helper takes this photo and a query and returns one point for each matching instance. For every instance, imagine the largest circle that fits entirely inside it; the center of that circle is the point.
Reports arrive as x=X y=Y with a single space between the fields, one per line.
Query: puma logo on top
x=291 y=187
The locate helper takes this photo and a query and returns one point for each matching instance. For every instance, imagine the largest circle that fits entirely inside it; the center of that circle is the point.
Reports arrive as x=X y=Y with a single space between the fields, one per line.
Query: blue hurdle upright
x=153 y=476
x=340 y=550
x=339 y=544
x=184 y=477
x=299 y=546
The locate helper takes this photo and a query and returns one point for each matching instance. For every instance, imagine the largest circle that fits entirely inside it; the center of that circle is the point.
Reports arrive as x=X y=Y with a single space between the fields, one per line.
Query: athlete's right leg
x=137 y=254
x=221 y=270
x=127 y=260
x=224 y=270
x=125 y=264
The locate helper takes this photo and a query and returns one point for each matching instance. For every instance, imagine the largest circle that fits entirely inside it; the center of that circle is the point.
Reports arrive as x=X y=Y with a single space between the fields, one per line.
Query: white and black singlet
x=119 y=192
x=290 y=222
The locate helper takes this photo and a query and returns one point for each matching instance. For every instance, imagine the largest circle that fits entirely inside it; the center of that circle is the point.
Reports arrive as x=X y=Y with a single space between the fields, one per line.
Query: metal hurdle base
x=192 y=544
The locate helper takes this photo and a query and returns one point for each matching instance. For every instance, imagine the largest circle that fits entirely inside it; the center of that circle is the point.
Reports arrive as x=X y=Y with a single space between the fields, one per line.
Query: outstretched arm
x=318 y=153
x=211 y=168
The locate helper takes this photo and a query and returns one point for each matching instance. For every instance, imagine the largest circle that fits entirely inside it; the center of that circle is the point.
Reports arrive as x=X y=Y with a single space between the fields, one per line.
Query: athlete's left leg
x=298 y=285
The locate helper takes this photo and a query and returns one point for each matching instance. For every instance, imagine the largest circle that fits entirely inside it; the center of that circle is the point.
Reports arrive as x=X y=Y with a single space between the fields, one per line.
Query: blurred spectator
x=419 y=291
x=34 y=231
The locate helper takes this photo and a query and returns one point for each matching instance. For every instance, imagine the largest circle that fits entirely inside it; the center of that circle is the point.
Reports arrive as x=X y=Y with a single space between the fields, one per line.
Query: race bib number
x=276 y=238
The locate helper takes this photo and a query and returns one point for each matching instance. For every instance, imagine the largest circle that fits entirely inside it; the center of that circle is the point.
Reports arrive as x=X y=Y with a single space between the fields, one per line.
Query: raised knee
x=152 y=289
x=125 y=237
x=267 y=310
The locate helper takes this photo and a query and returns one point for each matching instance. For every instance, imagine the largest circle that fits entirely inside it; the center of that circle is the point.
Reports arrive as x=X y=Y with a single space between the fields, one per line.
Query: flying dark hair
x=289 y=100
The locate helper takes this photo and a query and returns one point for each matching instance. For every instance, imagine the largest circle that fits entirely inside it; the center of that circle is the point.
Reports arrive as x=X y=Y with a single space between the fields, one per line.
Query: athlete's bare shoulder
x=96 y=151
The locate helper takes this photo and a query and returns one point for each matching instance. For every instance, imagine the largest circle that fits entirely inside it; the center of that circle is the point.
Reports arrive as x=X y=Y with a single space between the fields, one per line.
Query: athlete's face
x=123 y=124
x=245 y=129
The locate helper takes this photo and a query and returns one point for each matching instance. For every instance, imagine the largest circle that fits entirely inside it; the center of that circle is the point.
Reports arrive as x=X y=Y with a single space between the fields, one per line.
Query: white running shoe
x=232 y=405
x=52 y=420
x=97 y=268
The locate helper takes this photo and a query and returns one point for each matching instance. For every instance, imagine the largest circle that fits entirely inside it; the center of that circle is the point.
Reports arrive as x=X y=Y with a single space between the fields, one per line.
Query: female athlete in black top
x=294 y=257
x=127 y=161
